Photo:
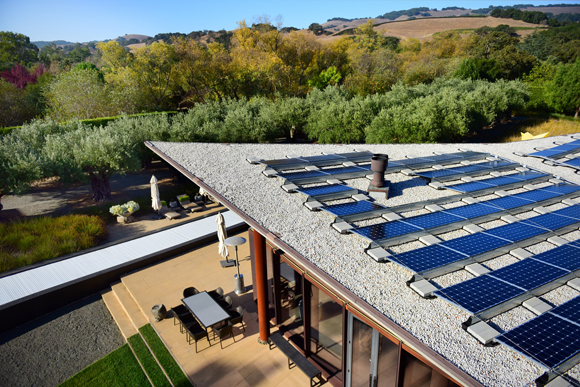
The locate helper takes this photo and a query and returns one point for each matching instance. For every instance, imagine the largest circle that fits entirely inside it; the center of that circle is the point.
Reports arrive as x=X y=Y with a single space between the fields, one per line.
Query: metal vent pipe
x=379 y=164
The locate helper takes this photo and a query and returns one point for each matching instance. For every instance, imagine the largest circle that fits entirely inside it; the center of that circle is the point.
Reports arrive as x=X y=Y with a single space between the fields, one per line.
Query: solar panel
x=516 y=232
x=427 y=258
x=571 y=212
x=472 y=211
x=573 y=162
x=529 y=274
x=438 y=174
x=380 y=231
x=498 y=181
x=324 y=158
x=282 y=161
x=562 y=188
x=336 y=171
x=547 y=339
x=475 y=244
x=550 y=221
x=324 y=189
x=471 y=168
x=537 y=195
x=431 y=220
x=444 y=157
x=507 y=202
x=301 y=175
x=524 y=176
x=352 y=208
x=480 y=293
x=565 y=256
x=548 y=153
x=569 y=310
x=469 y=187
x=414 y=161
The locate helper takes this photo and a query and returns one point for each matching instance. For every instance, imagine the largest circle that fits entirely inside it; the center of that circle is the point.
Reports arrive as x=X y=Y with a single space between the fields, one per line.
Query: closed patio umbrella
x=222 y=235
x=155 y=201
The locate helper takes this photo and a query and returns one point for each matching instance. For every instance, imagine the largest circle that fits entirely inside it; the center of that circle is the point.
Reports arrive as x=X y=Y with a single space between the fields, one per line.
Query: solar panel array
x=486 y=295
x=560 y=154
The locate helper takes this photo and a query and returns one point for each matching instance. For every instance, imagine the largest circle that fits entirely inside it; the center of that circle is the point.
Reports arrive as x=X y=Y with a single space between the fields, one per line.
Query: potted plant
x=124 y=211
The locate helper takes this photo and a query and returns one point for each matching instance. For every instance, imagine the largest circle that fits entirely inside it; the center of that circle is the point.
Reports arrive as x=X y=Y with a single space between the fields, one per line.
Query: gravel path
x=48 y=351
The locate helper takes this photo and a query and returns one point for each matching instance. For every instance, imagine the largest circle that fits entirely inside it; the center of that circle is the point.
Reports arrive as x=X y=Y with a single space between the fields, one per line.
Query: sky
x=84 y=21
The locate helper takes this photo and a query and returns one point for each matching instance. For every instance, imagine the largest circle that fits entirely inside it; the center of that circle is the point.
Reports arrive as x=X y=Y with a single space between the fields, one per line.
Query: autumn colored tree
x=19 y=75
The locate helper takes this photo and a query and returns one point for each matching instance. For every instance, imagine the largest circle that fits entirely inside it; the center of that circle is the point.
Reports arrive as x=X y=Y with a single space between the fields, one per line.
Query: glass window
x=415 y=373
x=291 y=302
x=388 y=361
x=326 y=331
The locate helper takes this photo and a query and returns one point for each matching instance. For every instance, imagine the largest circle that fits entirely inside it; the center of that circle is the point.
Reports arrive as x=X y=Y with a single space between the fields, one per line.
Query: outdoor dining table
x=205 y=309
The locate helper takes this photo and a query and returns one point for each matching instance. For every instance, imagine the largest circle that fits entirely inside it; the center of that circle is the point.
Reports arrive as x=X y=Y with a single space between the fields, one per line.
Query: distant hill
x=42 y=43
x=132 y=36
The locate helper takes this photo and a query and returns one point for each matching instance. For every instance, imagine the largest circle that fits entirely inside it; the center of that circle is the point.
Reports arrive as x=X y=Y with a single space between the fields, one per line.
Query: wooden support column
x=261 y=286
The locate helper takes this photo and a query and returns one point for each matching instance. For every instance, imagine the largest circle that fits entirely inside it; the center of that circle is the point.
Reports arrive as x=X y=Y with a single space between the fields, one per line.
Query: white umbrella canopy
x=155 y=201
x=222 y=235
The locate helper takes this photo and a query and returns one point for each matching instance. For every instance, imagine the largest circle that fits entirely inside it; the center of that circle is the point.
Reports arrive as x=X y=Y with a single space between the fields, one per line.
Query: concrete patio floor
x=241 y=363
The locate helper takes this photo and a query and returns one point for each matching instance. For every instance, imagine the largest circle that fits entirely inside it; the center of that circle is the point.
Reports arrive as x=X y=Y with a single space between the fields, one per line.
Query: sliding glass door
x=371 y=359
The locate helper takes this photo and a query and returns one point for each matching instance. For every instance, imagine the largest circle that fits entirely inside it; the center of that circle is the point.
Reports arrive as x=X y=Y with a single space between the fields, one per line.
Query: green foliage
x=15 y=107
x=119 y=368
x=167 y=361
x=316 y=29
x=148 y=361
x=15 y=48
x=29 y=241
x=408 y=12
x=537 y=80
x=563 y=92
x=330 y=76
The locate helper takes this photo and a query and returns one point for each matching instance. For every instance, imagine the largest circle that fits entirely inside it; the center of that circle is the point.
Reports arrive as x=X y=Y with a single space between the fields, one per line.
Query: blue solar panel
x=569 y=310
x=529 y=274
x=573 y=162
x=550 y=221
x=525 y=176
x=336 y=171
x=507 y=202
x=549 y=153
x=472 y=168
x=352 y=208
x=547 y=339
x=572 y=212
x=537 y=195
x=323 y=158
x=385 y=230
x=417 y=160
x=516 y=232
x=566 y=257
x=562 y=188
x=427 y=258
x=431 y=220
x=444 y=157
x=282 y=161
x=499 y=181
x=475 y=244
x=301 y=175
x=324 y=189
x=479 y=294
x=469 y=187
x=472 y=211
x=438 y=174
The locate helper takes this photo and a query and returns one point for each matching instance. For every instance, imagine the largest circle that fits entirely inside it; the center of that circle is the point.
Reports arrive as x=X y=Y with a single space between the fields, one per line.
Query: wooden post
x=261 y=287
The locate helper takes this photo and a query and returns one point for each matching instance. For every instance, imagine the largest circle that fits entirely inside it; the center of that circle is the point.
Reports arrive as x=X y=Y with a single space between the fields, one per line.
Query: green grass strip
x=119 y=368
x=148 y=361
x=167 y=361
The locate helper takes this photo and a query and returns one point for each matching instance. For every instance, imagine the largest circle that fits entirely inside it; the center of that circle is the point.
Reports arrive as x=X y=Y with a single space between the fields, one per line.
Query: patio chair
x=226 y=303
x=237 y=317
x=224 y=332
x=179 y=310
x=188 y=292
x=217 y=294
x=185 y=319
x=187 y=204
x=195 y=332
x=168 y=213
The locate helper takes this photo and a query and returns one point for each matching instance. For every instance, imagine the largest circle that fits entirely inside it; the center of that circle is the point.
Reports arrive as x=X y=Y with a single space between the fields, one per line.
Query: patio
x=243 y=363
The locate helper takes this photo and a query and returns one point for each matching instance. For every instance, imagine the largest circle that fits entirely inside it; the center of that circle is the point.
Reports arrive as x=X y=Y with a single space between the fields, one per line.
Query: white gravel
x=434 y=322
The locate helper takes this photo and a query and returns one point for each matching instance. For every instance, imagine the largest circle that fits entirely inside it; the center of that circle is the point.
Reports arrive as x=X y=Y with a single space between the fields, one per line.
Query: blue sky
x=83 y=21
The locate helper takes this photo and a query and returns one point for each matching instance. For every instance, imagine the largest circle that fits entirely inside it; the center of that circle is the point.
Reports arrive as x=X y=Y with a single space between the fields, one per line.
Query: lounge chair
x=169 y=214
x=187 y=204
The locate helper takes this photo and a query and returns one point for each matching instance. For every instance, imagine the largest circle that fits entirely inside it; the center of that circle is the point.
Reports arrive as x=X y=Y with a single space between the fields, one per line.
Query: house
x=347 y=299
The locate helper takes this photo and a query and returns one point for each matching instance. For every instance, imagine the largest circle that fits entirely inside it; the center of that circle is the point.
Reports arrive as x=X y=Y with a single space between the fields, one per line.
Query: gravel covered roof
x=435 y=322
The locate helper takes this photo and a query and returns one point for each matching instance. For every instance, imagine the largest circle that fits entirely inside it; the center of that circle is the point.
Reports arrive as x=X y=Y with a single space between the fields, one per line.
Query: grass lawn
x=27 y=241
x=555 y=127
x=165 y=359
x=119 y=368
x=148 y=361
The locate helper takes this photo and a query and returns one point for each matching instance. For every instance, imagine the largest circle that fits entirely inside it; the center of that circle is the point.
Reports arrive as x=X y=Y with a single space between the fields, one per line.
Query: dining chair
x=188 y=292
x=237 y=316
x=224 y=332
x=195 y=332
x=217 y=294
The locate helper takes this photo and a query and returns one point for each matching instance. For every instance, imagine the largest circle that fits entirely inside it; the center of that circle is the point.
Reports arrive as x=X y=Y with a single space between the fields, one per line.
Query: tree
x=19 y=76
x=15 y=107
x=16 y=48
x=563 y=92
x=316 y=29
